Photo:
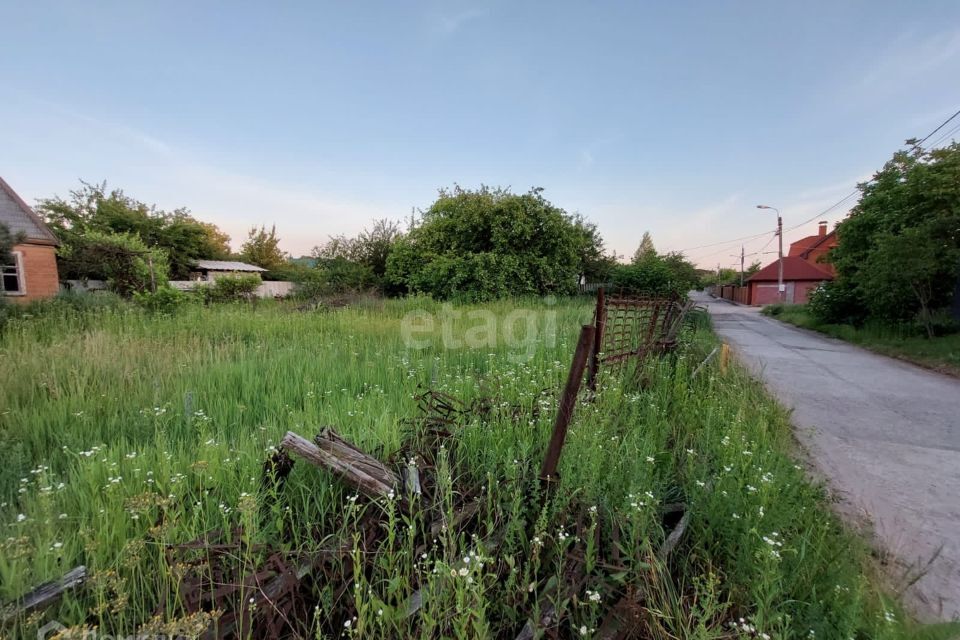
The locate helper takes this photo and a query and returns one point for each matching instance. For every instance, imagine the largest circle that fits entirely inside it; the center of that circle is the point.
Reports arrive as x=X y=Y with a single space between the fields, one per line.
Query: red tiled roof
x=804 y=246
x=794 y=268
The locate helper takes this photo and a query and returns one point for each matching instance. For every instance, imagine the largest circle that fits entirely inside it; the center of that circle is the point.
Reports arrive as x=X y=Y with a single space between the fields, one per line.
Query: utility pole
x=781 y=291
x=780 y=288
x=742 y=255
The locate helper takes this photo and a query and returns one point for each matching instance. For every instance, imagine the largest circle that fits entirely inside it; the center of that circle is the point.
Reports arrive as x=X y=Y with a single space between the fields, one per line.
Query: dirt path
x=886 y=435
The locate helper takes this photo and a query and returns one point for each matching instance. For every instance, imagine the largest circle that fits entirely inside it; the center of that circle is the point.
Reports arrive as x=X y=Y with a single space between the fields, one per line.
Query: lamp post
x=781 y=292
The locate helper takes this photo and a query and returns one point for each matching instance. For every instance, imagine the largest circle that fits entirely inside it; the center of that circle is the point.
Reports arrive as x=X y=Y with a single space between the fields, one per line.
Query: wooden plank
x=349 y=464
x=46 y=594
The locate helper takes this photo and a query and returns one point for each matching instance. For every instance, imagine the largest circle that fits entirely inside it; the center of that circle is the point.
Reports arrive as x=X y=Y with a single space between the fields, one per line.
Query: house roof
x=17 y=214
x=226 y=265
x=794 y=268
x=804 y=246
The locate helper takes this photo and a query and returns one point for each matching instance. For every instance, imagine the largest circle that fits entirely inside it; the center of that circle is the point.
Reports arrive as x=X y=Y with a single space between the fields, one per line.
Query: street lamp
x=781 y=291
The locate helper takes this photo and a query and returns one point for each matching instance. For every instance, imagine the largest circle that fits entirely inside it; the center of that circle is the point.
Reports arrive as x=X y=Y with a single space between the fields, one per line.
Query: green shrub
x=230 y=289
x=163 y=300
x=836 y=303
x=650 y=277
x=490 y=243
x=773 y=309
x=122 y=259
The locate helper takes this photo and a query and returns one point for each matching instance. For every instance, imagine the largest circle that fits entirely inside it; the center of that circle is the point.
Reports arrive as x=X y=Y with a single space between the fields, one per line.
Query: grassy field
x=941 y=353
x=123 y=433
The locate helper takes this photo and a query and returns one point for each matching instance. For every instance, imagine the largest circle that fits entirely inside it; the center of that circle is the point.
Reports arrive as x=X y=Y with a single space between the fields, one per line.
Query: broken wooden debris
x=354 y=468
x=46 y=594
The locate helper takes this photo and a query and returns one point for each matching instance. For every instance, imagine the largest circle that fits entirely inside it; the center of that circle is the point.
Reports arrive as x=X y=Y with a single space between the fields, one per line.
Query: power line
x=713 y=253
x=834 y=205
x=825 y=211
x=945 y=136
x=856 y=191
x=717 y=244
x=760 y=250
x=942 y=125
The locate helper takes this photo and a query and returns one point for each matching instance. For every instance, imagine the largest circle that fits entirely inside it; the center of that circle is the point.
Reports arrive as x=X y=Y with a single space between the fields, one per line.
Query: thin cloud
x=235 y=201
x=911 y=56
x=449 y=24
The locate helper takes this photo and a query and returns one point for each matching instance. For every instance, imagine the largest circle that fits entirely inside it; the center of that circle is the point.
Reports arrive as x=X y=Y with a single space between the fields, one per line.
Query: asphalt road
x=885 y=435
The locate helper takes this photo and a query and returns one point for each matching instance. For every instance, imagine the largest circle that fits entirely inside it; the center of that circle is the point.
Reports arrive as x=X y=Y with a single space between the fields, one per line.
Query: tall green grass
x=125 y=432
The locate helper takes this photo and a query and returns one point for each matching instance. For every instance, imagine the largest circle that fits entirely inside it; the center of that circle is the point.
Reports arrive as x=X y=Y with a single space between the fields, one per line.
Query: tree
x=262 y=248
x=897 y=253
x=370 y=248
x=669 y=275
x=488 y=243
x=8 y=240
x=909 y=263
x=92 y=208
x=123 y=260
x=645 y=250
x=596 y=264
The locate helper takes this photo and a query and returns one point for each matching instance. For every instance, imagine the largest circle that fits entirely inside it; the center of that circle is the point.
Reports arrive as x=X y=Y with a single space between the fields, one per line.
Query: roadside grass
x=124 y=432
x=941 y=353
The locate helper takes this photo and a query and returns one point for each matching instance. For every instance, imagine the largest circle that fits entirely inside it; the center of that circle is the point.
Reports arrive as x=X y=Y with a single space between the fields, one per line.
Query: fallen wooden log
x=46 y=594
x=353 y=467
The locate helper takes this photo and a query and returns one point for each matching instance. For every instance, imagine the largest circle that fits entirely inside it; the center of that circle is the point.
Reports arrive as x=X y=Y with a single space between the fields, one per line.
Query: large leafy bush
x=490 y=243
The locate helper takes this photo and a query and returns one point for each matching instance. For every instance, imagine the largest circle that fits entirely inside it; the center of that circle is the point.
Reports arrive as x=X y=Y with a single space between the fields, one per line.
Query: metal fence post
x=567 y=403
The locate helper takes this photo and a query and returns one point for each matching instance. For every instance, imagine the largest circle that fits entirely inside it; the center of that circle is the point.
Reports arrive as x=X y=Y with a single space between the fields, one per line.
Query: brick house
x=800 y=277
x=814 y=249
x=804 y=268
x=33 y=274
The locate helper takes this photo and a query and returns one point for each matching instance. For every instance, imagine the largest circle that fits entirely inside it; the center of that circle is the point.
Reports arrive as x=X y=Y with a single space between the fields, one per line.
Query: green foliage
x=165 y=299
x=646 y=249
x=837 y=302
x=899 y=250
x=353 y=264
x=262 y=248
x=370 y=248
x=121 y=259
x=711 y=278
x=230 y=288
x=91 y=209
x=595 y=264
x=488 y=243
x=669 y=275
x=8 y=240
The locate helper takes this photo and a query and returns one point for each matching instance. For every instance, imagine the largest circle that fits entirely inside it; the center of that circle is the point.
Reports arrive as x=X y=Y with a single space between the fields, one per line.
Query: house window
x=12 y=276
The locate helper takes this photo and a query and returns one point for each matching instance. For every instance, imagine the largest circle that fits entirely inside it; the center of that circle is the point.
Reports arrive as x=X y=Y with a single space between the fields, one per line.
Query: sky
x=673 y=118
